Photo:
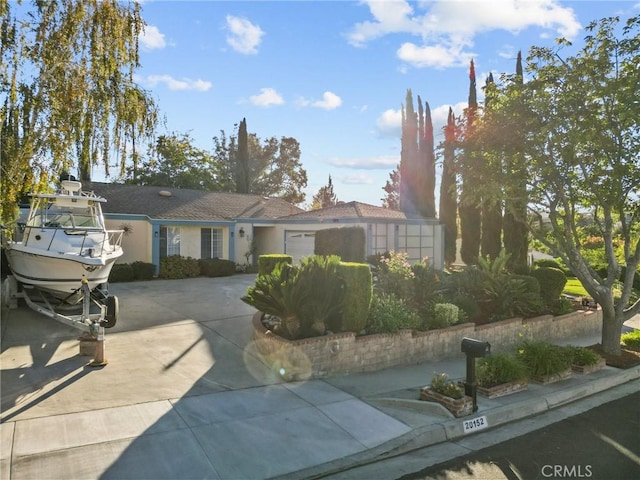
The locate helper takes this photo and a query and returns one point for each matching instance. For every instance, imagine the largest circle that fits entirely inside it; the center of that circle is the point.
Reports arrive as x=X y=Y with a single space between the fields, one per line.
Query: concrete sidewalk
x=185 y=395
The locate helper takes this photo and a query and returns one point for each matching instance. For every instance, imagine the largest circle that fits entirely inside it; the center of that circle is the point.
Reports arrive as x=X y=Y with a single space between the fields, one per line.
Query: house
x=163 y=221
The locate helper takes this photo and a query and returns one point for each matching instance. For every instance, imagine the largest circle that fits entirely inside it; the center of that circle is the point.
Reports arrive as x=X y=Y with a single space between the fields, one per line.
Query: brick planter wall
x=346 y=353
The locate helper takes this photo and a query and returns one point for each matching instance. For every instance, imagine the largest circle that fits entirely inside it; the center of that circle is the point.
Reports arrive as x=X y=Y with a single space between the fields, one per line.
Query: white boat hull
x=60 y=275
x=64 y=246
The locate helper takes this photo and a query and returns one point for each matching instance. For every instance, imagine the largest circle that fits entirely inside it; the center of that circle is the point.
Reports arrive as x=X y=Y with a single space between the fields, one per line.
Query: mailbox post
x=473 y=349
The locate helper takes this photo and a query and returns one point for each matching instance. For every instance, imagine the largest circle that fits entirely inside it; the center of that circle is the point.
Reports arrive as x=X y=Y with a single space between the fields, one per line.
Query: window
x=210 y=243
x=378 y=238
x=169 y=241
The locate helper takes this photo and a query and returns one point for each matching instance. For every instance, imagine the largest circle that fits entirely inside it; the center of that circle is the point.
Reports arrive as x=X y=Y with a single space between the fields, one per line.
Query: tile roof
x=186 y=204
x=349 y=210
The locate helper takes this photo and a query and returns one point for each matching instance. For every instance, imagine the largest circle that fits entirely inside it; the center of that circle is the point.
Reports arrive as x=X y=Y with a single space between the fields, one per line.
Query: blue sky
x=334 y=74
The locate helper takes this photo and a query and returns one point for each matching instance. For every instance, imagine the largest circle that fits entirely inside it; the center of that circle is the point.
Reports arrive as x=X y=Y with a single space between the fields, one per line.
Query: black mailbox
x=475 y=348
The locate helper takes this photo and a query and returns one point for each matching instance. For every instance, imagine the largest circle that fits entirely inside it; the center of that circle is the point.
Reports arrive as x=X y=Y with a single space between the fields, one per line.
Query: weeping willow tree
x=68 y=99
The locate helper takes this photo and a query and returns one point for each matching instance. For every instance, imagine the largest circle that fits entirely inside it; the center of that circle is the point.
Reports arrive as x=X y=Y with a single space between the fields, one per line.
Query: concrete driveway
x=184 y=395
x=174 y=338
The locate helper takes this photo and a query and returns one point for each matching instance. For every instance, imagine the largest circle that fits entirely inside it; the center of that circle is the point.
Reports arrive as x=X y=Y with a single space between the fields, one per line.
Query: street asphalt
x=185 y=394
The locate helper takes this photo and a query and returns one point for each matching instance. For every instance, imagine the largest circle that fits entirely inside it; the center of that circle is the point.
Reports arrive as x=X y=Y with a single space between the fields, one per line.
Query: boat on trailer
x=61 y=256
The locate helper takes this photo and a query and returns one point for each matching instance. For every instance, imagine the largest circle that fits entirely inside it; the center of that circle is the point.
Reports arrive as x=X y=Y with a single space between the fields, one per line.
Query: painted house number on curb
x=476 y=424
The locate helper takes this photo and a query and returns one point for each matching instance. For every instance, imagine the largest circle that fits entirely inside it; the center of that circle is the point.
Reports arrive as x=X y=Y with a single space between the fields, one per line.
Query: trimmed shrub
x=551 y=281
x=176 y=266
x=547 y=263
x=498 y=369
x=444 y=315
x=267 y=263
x=121 y=272
x=347 y=242
x=143 y=270
x=631 y=340
x=216 y=267
x=389 y=314
x=358 y=292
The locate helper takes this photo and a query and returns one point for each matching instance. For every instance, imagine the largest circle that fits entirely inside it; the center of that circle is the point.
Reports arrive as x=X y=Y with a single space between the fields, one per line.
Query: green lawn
x=574 y=288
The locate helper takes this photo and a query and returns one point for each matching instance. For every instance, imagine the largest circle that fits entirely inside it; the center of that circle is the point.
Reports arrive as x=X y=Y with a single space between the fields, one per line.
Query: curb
x=452 y=429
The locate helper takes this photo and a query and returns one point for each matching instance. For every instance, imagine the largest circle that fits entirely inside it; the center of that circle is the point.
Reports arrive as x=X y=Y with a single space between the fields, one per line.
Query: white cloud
x=438 y=56
x=447 y=28
x=389 y=124
x=355 y=179
x=151 y=38
x=244 y=37
x=267 y=98
x=368 y=163
x=177 y=84
x=330 y=101
x=390 y=17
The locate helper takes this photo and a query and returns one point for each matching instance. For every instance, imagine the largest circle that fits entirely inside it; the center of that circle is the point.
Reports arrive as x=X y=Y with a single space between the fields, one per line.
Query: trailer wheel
x=111 y=316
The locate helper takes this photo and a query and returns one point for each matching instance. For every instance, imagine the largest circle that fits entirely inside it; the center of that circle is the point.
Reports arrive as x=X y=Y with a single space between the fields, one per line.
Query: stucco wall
x=242 y=242
x=267 y=241
x=347 y=353
x=136 y=245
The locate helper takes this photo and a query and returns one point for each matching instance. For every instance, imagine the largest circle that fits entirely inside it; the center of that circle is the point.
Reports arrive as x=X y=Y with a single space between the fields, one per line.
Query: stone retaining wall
x=346 y=353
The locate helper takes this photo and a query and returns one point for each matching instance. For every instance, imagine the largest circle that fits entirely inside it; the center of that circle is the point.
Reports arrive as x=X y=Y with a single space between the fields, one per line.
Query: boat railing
x=95 y=243
x=115 y=237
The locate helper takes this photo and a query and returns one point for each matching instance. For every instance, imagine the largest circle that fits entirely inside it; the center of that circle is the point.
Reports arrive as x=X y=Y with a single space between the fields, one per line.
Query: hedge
x=552 y=281
x=358 y=292
x=216 y=267
x=346 y=242
x=266 y=263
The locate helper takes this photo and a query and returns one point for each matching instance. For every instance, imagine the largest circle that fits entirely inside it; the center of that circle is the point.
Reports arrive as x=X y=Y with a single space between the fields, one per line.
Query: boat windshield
x=66 y=217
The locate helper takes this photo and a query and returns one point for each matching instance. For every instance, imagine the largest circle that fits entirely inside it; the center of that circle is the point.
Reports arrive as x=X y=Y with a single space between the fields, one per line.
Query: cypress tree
x=428 y=163
x=448 y=191
x=408 y=158
x=516 y=239
x=325 y=197
x=491 y=243
x=421 y=164
x=242 y=159
x=470 y=214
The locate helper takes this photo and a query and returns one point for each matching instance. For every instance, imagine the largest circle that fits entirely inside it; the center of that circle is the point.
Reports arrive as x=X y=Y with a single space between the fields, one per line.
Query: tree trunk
x=611 y=327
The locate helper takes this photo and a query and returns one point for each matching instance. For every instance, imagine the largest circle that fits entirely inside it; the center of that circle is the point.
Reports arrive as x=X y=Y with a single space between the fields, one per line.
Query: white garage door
x=299 y=244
